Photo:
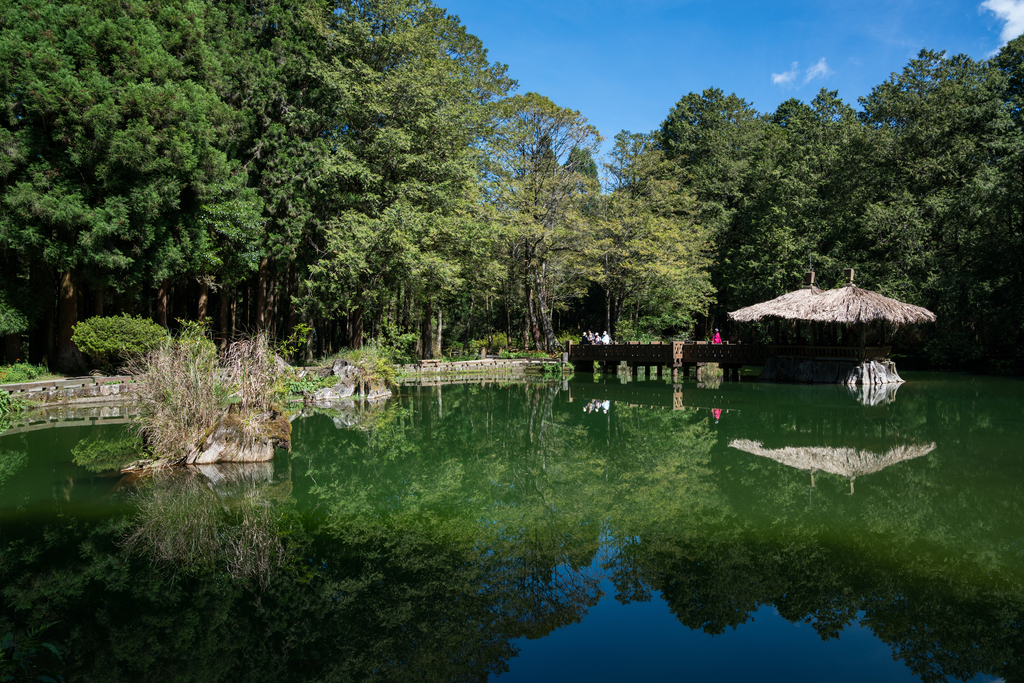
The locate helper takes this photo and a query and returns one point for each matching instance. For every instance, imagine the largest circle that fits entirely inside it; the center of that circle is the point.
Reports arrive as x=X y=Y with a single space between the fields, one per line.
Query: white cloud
x=787 y=77
x=1009 y=11
x=819 y=70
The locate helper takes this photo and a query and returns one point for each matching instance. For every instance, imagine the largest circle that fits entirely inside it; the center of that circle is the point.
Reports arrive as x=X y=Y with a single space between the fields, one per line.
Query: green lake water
x=588 y=530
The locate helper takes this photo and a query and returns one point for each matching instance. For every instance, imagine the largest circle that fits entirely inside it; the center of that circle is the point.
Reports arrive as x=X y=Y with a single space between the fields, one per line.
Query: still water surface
x=592 y=530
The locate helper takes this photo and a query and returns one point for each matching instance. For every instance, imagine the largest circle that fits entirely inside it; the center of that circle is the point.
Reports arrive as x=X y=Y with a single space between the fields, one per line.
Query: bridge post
x=634 y=369
x=660 y=367
x=675 y=375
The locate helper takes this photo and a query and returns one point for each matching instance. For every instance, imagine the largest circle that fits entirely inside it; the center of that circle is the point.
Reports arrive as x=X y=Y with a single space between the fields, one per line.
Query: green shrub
x=23 y=372
x=400 y=348
x=109 y=341
x=377 y=362
x=307 y=385
x=9 y=407
x=573 y=336
x=499 y=340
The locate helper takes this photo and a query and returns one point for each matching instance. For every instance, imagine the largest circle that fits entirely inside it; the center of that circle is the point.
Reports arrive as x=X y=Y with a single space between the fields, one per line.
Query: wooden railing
x=679 y=353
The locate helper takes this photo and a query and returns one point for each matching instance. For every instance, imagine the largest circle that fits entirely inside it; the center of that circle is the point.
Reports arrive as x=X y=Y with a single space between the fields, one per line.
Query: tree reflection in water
x=419 y=540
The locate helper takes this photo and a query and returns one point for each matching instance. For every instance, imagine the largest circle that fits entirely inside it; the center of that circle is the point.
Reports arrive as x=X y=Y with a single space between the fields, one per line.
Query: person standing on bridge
x=605 y=339
x=717 y=338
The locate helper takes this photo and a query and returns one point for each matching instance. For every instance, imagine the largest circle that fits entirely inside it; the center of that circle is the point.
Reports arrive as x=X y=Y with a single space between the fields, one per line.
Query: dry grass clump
x=180 y=395
x=183 y=391
x=252 y=370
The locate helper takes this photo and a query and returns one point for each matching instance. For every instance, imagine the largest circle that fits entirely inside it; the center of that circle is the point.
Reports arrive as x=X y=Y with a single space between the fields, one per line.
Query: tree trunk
x=161 y=303
x=427 y=332
x=41 y=281
x=436 y=350
x=204 y=300
x=225 y=317
x=608 y=308
x=293 y=311
x=270 y=309
x=550 y=341
x=68 y=356
x=97 y=302
x=356 y=318
x=261 y=295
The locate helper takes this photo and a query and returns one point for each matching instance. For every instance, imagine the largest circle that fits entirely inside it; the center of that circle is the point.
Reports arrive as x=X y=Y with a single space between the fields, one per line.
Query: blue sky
x=623 y=64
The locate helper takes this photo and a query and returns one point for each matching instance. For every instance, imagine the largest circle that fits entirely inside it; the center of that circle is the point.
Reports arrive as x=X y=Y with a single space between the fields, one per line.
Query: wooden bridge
x=680 y=355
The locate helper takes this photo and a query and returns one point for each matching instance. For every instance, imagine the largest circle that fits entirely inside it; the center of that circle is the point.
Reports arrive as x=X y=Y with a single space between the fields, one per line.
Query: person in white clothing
x=605 y=339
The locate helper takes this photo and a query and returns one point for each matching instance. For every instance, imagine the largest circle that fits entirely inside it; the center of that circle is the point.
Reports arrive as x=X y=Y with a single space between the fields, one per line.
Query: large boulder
x=351 y=382
x=252 y=439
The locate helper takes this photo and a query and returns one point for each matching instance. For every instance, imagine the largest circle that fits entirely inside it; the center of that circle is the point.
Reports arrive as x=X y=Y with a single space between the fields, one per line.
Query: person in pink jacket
x=717 y=339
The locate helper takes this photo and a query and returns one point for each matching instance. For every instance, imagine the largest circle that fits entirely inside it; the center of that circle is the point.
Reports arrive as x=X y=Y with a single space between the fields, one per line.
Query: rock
x=281 y=364
x=328 y=396
x=377 y=392
x=351 y=382
x=236 y=440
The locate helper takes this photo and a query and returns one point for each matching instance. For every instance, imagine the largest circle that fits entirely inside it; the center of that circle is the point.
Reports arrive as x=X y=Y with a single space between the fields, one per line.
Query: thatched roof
x=849 y=305
x=846 y=462
x=790 y=306
x=852 y=305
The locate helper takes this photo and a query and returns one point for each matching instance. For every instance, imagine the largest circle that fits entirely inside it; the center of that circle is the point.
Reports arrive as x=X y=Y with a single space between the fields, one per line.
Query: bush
x=376 y=362
x=499 y=340
x=109 y=341
x=573 y=336
x=8 y=408
x=23 y=372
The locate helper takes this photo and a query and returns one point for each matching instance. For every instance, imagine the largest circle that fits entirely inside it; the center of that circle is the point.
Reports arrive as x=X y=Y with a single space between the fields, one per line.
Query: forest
x=361 y=169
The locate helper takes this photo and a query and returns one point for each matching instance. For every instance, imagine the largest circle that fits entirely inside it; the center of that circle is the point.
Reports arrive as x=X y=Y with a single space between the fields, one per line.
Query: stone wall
x=71 y=388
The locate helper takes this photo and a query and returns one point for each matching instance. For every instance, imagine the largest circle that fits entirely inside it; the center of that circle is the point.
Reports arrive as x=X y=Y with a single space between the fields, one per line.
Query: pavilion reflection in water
x=846 y=462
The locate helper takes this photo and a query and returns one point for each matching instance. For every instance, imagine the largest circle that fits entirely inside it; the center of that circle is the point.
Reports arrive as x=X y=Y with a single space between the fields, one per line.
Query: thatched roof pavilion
x=846 y=462
x=848 y=305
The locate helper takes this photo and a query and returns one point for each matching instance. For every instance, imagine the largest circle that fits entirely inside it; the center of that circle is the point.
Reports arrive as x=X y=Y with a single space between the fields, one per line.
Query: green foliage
x=13 y=318
x=573 y=336
x=23 y=372
x=499 y=340
x=9 y=407
x=295 y=342
x=377 y=363
x=649 y=253
x=399 y=346
x=109 y=341
x=25 y=657
x=506 y=354
x=307 y=385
